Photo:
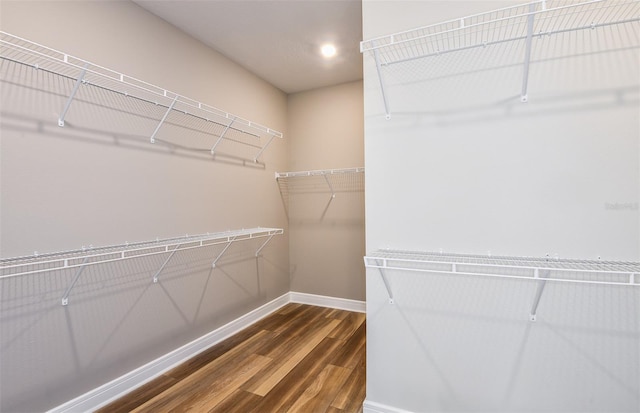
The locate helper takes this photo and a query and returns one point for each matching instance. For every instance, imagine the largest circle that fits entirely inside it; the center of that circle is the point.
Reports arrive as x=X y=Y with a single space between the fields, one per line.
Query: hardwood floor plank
x=322 y=391
x=139 y=396
x=352 y=393
x=270 y=381
x=240 y=401
x=353 y=350
x=287 y=391
x=349 y=325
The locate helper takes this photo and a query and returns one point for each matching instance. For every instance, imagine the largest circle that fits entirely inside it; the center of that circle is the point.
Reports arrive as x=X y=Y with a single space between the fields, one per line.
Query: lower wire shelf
x=87 y=256
x=540 y=270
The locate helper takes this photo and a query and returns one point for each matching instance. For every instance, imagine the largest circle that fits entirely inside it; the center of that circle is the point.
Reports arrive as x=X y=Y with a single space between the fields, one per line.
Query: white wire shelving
x=38 y=66
x=331 y=181
x=540 y=270
x=88 y=256
x=522 y=24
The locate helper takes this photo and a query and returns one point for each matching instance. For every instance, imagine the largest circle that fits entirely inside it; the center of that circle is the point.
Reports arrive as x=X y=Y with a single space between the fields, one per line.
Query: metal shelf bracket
x=263 y=245
x=221 y=137
x=65 y=297
x=153 y=136
x=226 y=247
x=539 y=290
x=255 y=159
x=155 y=277
x=376 y=56
x=527 y=55
x=71 y=96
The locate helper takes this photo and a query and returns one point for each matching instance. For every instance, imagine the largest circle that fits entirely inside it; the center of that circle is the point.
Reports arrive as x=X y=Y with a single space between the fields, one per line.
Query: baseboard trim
x=109 y=392
x=374 y=407
x=331 y=302
x=117 y=388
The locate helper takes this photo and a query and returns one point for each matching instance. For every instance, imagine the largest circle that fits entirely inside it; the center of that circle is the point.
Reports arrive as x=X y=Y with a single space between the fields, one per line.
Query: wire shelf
x=540 y=270
x=549 y=269
x=327 y=181
x=38 y=263
x=517 y=26
x=77 y=79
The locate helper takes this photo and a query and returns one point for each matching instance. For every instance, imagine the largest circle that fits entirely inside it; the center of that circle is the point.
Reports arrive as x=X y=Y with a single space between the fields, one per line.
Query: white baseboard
x=374 y=407
x=332 y=302
x=117 y=388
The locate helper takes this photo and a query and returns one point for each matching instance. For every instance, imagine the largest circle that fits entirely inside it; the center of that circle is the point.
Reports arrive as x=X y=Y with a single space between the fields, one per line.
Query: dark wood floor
x=299 y=359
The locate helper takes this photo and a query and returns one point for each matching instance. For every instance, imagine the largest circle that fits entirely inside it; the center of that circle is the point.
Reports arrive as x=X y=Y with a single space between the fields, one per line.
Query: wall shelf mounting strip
x=108 y=86
x=540 y=270
x=81 y=258
x=521 y=23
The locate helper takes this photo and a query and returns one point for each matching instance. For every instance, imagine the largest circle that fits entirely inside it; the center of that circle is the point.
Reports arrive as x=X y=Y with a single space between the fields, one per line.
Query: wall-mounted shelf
x=330 y=181
x=529 y=26
x=540 y=270
x=163 y=115
x=84 y=257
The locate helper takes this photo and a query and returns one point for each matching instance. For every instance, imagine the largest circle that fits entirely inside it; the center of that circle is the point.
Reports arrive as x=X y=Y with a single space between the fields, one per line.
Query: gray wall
x=327 y=234
x=464 y=167
x=98 y=181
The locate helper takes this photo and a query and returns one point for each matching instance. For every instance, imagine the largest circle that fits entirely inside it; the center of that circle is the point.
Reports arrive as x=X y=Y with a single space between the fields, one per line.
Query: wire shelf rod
x=93 y=256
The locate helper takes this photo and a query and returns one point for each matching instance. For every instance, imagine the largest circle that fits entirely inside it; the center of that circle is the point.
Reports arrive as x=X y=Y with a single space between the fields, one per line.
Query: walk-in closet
x=349 y=206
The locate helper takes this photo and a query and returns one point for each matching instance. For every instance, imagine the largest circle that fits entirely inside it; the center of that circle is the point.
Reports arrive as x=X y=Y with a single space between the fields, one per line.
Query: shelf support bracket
x=333 y=193
x=264 y=244
x=65 y=297
x=384 y=280
x=155 y=277
x=155 y=132
x=384 y=95
x=255 y=159
x=221 y=137
x=226 y=247
x=72 y=95
x=527 y=55
x=539 y=290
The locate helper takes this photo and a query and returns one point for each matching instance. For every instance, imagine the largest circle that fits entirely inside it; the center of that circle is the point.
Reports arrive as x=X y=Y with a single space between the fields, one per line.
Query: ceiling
x=278 y=40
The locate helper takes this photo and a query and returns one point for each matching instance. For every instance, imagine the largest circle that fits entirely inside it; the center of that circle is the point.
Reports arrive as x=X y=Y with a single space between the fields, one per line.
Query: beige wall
x=63 y=188
x=327 y=234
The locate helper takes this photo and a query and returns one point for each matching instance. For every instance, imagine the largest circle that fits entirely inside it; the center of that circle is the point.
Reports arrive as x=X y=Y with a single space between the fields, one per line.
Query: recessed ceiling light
x=328 y=50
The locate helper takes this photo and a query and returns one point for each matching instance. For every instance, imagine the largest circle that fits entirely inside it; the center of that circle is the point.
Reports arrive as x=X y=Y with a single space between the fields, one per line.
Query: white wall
x=62 y=188
x=327 y=234
x=463 y=166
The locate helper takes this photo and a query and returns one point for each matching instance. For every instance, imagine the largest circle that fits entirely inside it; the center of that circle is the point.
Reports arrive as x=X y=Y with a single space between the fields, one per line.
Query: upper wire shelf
x=164 y=106
x=520 y=23
x=319 y=172
x=331 y=181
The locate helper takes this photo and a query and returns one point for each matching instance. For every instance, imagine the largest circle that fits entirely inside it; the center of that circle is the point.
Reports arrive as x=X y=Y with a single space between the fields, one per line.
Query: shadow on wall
x=117 y=318
x=581 y=354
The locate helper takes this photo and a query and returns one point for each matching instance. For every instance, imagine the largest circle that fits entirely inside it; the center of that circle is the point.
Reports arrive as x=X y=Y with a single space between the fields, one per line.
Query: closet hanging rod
x=80 y=258
x=38 y=56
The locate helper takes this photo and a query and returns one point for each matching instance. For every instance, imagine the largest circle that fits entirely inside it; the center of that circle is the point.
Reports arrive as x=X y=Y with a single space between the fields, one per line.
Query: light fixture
x=328 y=50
